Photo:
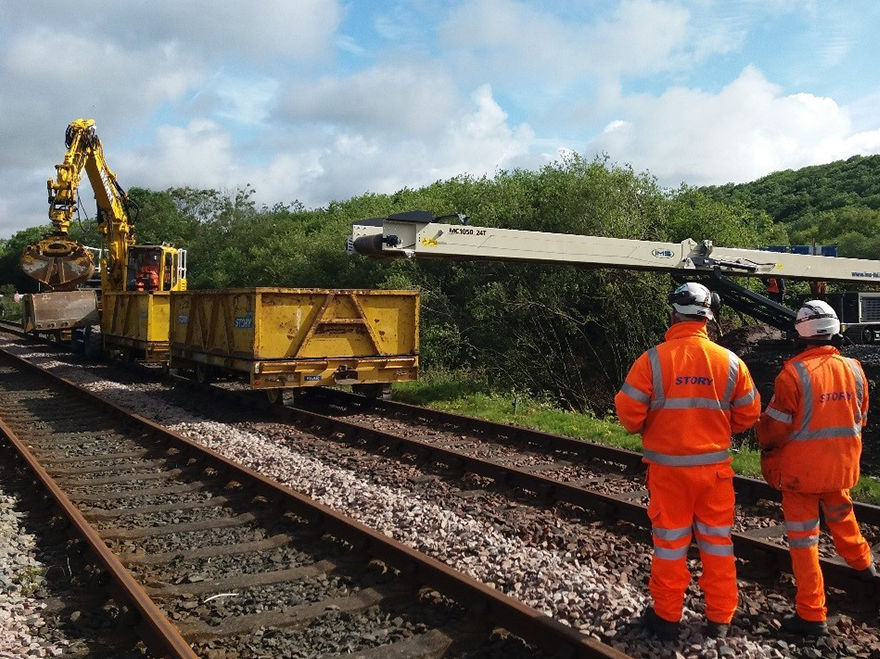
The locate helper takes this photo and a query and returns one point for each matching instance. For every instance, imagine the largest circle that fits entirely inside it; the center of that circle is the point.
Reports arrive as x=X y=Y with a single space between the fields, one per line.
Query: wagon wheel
x=280 y=396
x=203 y=374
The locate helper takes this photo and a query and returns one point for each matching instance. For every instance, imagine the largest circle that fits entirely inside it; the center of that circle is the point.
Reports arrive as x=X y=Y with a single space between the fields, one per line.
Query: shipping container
x=280 y=338
x=135 y=325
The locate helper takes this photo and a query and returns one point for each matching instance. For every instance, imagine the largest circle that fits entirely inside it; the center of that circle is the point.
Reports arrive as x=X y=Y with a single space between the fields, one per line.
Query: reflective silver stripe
x=659 y=394
x=809 y=525
x=744 y=399
x=825 y=433
x=807 y=388
x=860 y=386
x=714 y=531
x=670 y=554
x=834 y=518
x=634 y=393
x=715 y=550
x=782 y=417
x=800 y=543
x=732 y=375
x=688 y=403
x=686 y=460
x=672 y=534
x=836 y=509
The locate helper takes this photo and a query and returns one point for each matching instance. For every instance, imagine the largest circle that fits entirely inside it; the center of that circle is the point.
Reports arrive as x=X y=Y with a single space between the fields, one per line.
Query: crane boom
x=417 y=234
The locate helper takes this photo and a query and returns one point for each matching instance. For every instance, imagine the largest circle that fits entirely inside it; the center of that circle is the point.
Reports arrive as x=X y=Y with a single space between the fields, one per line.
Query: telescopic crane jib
x=417 y=234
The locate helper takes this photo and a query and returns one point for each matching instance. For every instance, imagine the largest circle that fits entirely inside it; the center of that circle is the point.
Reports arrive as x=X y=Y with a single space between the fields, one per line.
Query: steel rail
x=748 y=490
x=763 y=553
x=490 y=605
x=158 y=633
x=766 y=554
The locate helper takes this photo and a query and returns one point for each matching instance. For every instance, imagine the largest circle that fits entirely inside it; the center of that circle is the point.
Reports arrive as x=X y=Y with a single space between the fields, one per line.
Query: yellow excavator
x=64 y=266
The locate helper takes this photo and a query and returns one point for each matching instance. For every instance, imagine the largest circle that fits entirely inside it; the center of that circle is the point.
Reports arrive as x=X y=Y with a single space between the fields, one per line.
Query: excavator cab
x=156 y=268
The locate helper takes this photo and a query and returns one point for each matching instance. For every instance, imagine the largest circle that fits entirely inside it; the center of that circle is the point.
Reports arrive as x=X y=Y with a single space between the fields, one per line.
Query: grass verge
x=471 y=395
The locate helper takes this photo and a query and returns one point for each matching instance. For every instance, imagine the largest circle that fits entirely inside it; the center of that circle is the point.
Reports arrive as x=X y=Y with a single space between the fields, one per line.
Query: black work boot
x=717 y=629
x=800 y=627
x=868 y=574
x=662 y=629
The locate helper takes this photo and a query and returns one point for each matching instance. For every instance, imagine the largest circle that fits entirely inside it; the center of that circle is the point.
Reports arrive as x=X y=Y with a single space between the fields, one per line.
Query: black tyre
x=94 y=343
x=377 y=391
x=204 y=374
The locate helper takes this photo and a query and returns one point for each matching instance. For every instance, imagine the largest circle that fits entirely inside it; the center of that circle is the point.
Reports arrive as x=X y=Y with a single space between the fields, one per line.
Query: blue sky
x=316 y=100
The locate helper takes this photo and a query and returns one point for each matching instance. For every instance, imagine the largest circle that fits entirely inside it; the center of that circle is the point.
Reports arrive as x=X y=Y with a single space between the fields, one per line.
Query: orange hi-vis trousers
x=801 y=512
x=699 y=498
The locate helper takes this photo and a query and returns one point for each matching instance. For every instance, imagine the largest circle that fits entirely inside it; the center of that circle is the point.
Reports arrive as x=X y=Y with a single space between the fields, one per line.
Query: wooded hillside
x=838 y=203
x=559 y=331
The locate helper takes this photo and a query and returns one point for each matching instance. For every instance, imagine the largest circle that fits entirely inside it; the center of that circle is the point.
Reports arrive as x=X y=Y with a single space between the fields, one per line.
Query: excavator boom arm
x=60 y=262
x=415 y=234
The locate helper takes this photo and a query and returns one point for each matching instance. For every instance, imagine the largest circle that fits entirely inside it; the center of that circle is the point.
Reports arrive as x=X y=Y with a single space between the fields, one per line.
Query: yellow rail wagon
x=135 y=325
x=281 y=339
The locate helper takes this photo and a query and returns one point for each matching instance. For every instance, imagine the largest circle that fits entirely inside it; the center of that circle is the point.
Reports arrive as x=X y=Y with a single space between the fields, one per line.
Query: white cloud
x=404 y=98
x=749 y=129
x=244 y=99
x=199 y=154
x=300 y=29
x=43 y=92
x=510 y=40
x=479 y=140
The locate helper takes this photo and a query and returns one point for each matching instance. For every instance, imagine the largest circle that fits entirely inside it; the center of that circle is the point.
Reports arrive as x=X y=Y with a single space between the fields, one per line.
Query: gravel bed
x=341 y=633
x=155 y=500
x=20 y=618
x=595 y=583
x=35 y=576
x=163 y=518
x=94 y=445
x=193 y=539
x=81 y=487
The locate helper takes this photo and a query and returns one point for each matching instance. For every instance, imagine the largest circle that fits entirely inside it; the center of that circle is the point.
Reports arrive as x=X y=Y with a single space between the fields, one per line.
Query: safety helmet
x=695 y=300
x=815 y=320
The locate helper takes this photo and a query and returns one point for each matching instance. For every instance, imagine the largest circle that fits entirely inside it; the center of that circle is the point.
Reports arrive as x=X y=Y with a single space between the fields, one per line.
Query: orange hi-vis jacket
x=811 y=431
x=686 y=397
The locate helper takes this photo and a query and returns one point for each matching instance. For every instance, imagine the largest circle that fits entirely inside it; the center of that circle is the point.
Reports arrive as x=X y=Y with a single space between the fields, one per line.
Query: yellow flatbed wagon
x=135 y=325
x=285 y=338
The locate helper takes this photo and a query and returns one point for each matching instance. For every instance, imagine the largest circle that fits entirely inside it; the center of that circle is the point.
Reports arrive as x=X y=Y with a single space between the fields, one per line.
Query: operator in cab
x=686 y=397
x=811 y=442
x=147 y=277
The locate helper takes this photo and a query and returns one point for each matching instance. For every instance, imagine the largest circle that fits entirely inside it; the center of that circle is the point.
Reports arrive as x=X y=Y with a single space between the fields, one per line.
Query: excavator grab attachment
x=58 y=262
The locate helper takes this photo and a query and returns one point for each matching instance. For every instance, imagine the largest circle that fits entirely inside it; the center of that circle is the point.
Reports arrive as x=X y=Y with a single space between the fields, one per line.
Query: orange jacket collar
x=687 y=328
x=813 y=351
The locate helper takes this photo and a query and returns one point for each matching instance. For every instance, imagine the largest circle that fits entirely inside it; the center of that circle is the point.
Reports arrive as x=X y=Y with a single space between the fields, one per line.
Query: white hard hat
x=693 y=299
x=816 y=319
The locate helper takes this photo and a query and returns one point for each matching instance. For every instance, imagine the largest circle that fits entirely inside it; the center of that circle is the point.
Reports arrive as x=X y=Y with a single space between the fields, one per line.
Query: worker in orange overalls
x=686 y=397
x=147 y=278
x=811 y=441
x=817 y=289
x=775 y=287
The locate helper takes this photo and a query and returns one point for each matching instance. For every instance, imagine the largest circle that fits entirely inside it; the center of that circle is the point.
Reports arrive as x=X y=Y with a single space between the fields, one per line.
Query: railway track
x=596 y=477
x=615 y=479
x=210 y=558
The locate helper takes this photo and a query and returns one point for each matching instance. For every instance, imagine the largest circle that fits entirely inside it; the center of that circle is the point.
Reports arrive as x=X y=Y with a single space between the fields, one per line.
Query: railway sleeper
x=184 y=527
x=300 y=615
x=242 y=581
